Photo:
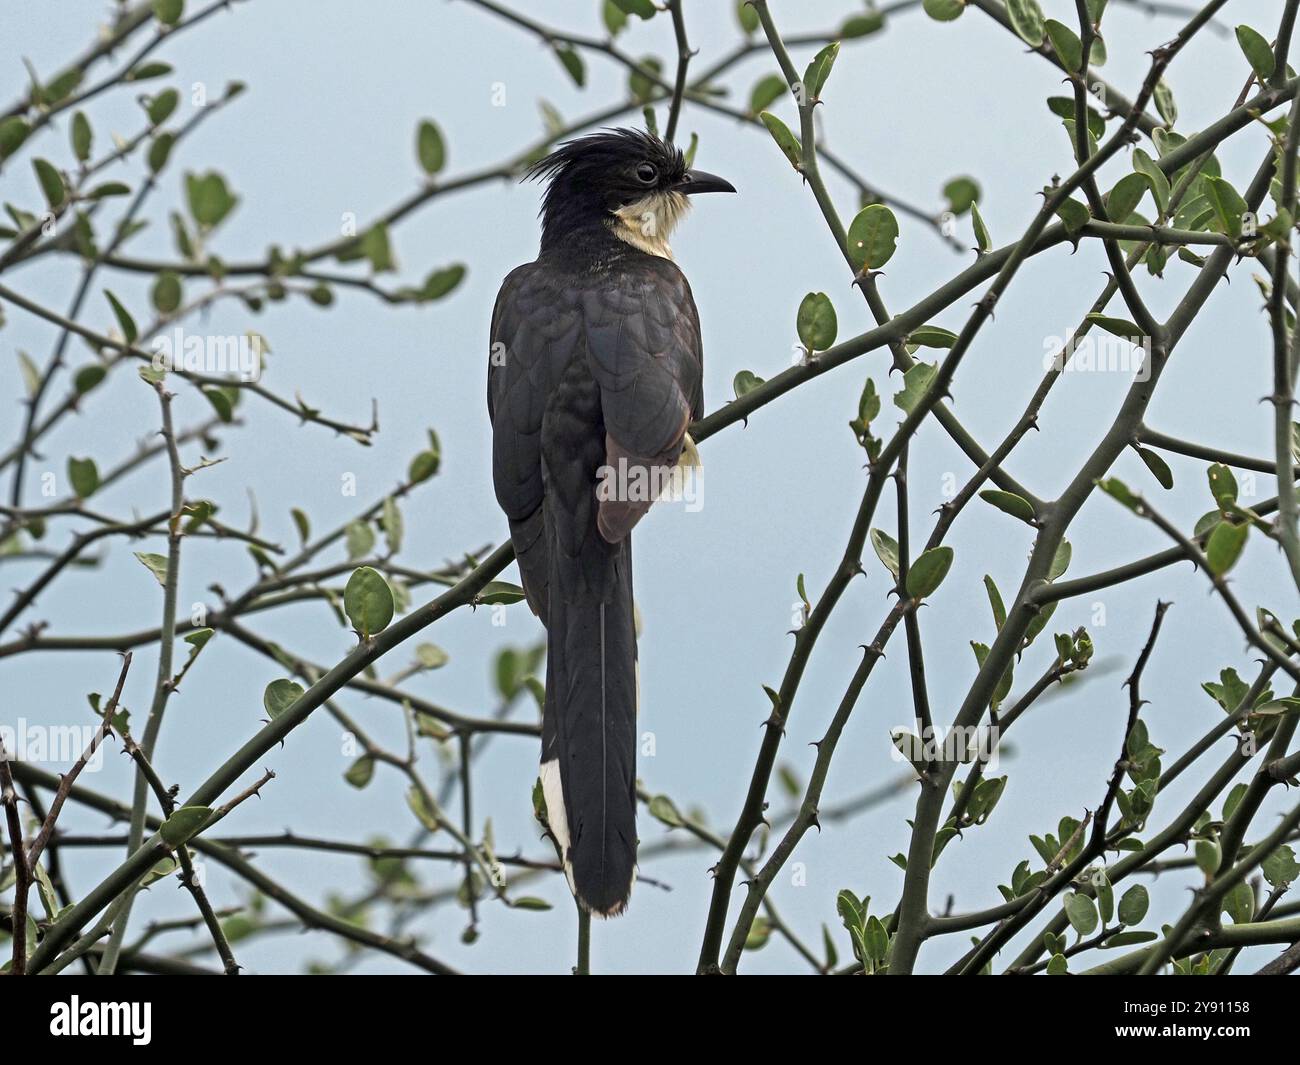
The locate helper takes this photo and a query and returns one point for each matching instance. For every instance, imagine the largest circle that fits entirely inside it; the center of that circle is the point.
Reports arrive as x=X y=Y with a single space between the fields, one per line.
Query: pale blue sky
x=327 y=127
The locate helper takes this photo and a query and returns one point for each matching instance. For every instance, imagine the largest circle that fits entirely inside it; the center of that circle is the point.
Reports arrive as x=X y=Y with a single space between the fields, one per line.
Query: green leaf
x=1223 y=485
x=944 y=10
x=1233 y=800
x=868 y=409
x=429 y=147
x=747 y=17
x=368 y=601
x=1158 y=467
x=766 y=91
x=184 y=824
x=886 y=548
x=1280 y=868
x=1118 y=326
x=1239 y=904
x=852 y=913
x=1060 y=561
x=419 y=805
x=961 y=193
x=31 y=373
x=146 y=71
x=785 y=140
x=160 y=150
x=926 y=574
x=745 y=381
x=360 y=539
x=1124 y=198
x=916 y=383
x=441 y=282
x=13 y=131
x=663 y=809
x=1081 y=912
x=816 y=322
x=209 y=199
x=875 y=939
x=998 y=607
x=1229 y=207
x=156 y=564
x=1133 y=905
x=360 y=772
x=1117 y=489
x=1027 y=20
x=168 y=11
x=1074 y=214
x=81 y=136
x=861 y=25
x=931 y=336
x=1207 y=856
x=1057 y=965
x=159 y=871
x=1066 y=45
x=1128 y=939
x=88 y=377
x=198 y=639
x=1257 y=52
x=280 y=695
x=160 y=108
x=374 y=246
x=166 y=294
x=1225 y=545
x=124 y=320
x=614 y=17
x=639 y=84
x=1146 y=166
x=873 y=236
x=83 y=475
x=1063 y=107
x=45 y=887
x=814 y=79
x=222 y=402
x=423 y=466
x=500 y=593
x=1105 y=895
x=390 y=520
x=51 y=183
x=572 y=62
x=431 y=656
x=1164 y=101
x=643 y=9
x=982 y=240
x=1009 y=502
x=529 y=902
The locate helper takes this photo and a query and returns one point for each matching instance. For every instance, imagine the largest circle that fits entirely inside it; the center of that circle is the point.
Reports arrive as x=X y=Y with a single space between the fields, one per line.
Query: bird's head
x=628 y=182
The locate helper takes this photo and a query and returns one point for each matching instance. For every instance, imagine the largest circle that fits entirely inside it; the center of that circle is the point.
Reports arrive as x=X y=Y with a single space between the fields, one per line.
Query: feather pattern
x=595 y=358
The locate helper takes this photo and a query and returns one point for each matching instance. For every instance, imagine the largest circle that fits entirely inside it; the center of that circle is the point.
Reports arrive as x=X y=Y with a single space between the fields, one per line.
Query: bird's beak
x=694 y=181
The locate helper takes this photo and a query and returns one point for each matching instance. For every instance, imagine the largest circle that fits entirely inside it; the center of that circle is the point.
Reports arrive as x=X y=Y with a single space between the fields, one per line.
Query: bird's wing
x=643 y=346
x=534 y=334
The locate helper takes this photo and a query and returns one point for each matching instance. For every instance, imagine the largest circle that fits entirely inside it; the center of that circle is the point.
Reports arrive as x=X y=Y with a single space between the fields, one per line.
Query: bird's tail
x=589 y=728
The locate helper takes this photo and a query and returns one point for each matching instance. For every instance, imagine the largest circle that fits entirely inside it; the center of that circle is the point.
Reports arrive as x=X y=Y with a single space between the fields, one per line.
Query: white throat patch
x=647 y=223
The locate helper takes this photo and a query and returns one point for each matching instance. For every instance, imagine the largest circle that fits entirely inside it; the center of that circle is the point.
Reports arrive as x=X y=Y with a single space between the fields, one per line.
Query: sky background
x=326 y=127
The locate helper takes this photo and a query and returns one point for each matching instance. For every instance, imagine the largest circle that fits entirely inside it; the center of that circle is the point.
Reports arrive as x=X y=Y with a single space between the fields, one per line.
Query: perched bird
x=594 y=366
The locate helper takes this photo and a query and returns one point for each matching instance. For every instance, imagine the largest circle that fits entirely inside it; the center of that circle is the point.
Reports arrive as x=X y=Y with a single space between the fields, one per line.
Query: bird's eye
x=646 y=173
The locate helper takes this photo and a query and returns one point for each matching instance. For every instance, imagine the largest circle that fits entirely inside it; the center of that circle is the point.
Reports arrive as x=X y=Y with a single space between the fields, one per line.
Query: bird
x=595 y=371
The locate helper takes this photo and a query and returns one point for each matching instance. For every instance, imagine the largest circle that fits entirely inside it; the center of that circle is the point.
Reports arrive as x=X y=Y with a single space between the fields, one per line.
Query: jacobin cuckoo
x=595 y=372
